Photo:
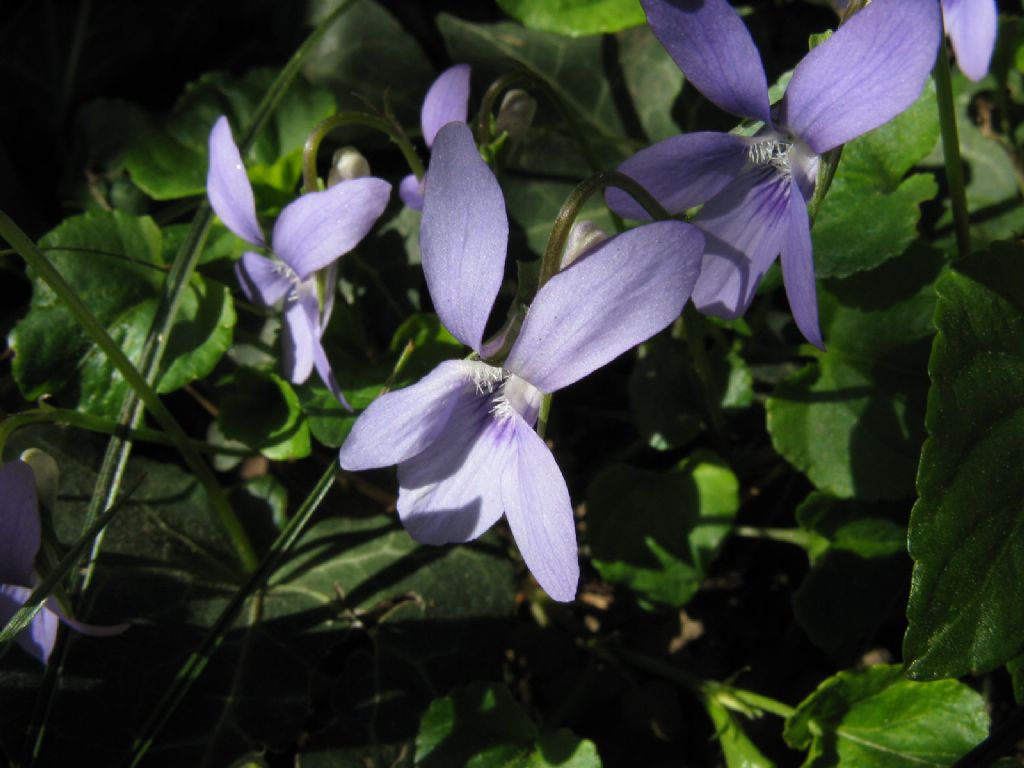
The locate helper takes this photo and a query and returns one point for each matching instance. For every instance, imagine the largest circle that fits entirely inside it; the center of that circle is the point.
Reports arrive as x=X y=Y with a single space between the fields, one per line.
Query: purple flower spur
x=463 y=437
x=310 y=234
x=754 y=190
x=447 y=101
x=20 y=538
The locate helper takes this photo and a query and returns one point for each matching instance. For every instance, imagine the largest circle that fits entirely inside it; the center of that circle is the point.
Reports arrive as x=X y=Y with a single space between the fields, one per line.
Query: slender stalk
x=388 y=127
x=93 y=423
x=198 y=660
x=551 y=262
x=796 y=536
x=693 y=325
x=951 y=154
x=49 y=274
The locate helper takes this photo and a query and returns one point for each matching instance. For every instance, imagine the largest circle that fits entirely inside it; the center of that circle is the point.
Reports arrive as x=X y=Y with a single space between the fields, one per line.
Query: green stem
x=542 y=417
x=736 y=699
x=49 y=274
x=951 y=154
x=693 y=328
x=387 y=127
x=796 y=536
x=551 y=262
x=88 y=421
x=198 y=660
x=24 y=615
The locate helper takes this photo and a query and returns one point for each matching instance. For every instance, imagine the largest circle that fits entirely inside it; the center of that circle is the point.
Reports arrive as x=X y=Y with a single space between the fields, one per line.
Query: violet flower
x=447 y=101
x=20 y=538
x=971 y=26
x=463 y=437
x=755 y=190
x=310 y=234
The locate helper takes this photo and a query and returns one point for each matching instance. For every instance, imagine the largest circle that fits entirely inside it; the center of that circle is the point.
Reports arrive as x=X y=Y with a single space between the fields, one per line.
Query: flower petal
x=539 y=513
x=743 y=230
x=323 y=369
x=301 y=333
x=261 y=279
x=319 y=227
x=451 y=491
x=463 y=234
x=410 y=189
x=622 y=293
x=714 y=49
x=447 y=101
x=798 y=269
x=20 y=532
x=400 y=425
x=39 y=637
x=228 y=187
x=681 y=172
x=869 y=71
x=971 y=25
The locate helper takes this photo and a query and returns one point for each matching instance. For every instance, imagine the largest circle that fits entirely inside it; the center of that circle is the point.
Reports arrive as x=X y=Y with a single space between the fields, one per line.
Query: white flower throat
x=773 y=152
x=508 y=394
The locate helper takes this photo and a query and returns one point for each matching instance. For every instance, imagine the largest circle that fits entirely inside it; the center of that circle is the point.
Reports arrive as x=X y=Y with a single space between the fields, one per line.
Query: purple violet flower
x=20 y=537
x=310 y=234
x=447 y=101
x=971 y=26
x=463 y=437
x=755 y=190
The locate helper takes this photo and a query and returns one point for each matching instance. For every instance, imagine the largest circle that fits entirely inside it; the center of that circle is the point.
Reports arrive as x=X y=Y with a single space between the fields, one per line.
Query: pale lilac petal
x=681 y=172
x=870 y=70
x=228 y=187
x=93 y=630
x=713 y=48
x=39 y=637
x=624 y=292
x=447 y=101
x=463 y=235
x=323 y=369
x=402 y=424
x=971 y=25
x=319 y=227
x=300 y=333
x=798 y=269
x=263 y=281
x=451 y=492
x=411 y=191
x=743 y=231
x=20 y=532
x=539 y=513
x=330 y=283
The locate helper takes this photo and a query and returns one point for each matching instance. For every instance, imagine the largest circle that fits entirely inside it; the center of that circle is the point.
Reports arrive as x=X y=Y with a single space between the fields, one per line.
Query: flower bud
x=516 y=114
x=347 y=163
x=583 y=238
x=47 y=474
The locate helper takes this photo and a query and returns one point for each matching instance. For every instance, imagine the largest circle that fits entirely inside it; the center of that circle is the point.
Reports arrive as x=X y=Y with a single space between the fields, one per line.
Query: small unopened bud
x=47 y=474
x=584 y=237
x=516 y=114
x=348 y=163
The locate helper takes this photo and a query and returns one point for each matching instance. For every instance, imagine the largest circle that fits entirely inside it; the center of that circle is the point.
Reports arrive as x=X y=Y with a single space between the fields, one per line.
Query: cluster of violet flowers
x=464 y=438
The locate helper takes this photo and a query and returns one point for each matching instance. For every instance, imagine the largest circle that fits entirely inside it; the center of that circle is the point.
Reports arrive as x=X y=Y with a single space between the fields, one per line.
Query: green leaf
x=533 y=205
x=965 y=529
x=575 y=17
x=875 y=718
x=261 y=410
x=739 y=751
x=482 y=726
x=848 y=593
x=169 y=157
x=658 y=533
x=368 y=53
x=869 y=215
x=853 y=421
x=653 y=80
x=56 y=357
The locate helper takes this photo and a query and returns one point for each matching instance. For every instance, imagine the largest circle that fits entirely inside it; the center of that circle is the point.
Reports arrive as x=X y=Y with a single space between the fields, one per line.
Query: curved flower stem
x=388 y=127
x=88 y=421
x=524 y=76
x=739 y=700
x=197 y=661
x=551 y=262
x=951 y=154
